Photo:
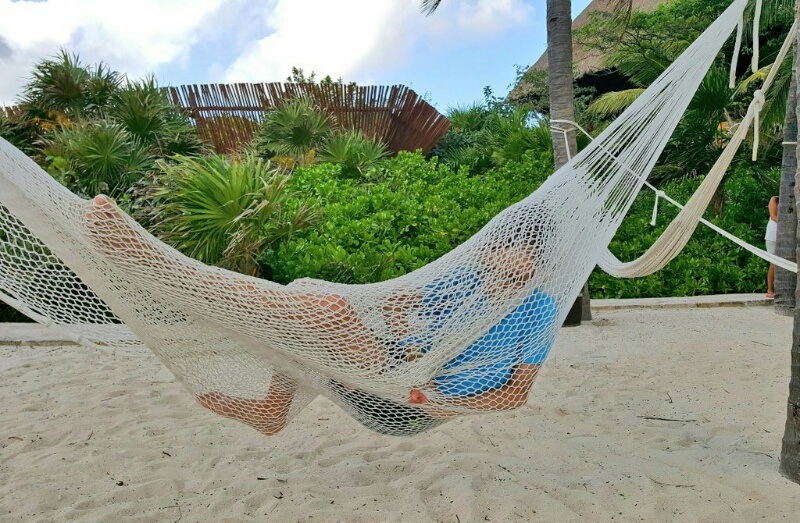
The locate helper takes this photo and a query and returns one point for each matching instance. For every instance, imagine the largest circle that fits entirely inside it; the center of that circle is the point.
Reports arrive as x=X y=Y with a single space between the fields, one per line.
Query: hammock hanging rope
x=466 y=333
x=680 y=230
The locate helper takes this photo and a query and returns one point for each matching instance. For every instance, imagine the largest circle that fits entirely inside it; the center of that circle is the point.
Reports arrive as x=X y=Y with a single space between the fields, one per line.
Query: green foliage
x=299 y=76
x=143 y=109
x=62 y=88
x=710 y=264
x=404 y=215
x=513 y=135
x=18 y=130
x=488 y=135
x=9 y=314
x=699 y=138
x=97 y=156
x=465 y=148
x=227 y=212
x=536 y=92
x=473 y=117
x=292 y=130
x=646 y=43
x=94 y=132
x=642 y=47
x=353 y=152
x=613 y=103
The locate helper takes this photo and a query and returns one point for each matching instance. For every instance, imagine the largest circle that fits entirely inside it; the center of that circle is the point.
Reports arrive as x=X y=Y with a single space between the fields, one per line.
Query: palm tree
x=790 y=451
x=786 y=281
x=354 y=152
x=62 y=88
x=562 y=99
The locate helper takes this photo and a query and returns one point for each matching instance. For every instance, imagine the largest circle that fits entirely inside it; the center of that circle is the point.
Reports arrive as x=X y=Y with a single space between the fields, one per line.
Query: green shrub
x=293 y=131
x=709 y=264
x=225 y=212
x=62 y=88
x=145 y=112
x=355 y=153
x=485 y=136
x=399 y=218
x=97 y=156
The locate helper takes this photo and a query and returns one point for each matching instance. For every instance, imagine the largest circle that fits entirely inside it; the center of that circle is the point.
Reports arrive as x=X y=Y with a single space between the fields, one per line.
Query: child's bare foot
x=111 y=231
x=268 y=415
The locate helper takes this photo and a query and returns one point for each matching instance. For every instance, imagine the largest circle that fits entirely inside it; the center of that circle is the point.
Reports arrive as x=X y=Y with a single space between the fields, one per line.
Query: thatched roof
x=584 y=60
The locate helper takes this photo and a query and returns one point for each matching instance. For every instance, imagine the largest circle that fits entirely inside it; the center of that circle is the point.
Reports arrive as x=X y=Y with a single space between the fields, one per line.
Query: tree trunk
x=790 y=451
x=559 y=63
x=786 y=281
x=562 y=95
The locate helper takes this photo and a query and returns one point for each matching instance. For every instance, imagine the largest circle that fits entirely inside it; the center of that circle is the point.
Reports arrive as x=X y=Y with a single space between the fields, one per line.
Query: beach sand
x=641 y=414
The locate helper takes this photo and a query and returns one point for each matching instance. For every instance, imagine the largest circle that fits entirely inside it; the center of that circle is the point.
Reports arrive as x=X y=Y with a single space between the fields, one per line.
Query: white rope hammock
x=466 y=333
x=679 y=232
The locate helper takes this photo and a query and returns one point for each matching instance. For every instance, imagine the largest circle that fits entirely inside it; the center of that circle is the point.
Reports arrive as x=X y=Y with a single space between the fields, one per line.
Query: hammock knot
x=759 y=99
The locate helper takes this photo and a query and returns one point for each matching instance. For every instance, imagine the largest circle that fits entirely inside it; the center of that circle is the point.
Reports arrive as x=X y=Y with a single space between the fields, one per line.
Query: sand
x=641 y=414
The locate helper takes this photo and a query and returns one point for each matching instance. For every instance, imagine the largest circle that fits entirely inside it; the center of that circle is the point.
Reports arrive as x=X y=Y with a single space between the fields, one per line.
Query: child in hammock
x=493 y=373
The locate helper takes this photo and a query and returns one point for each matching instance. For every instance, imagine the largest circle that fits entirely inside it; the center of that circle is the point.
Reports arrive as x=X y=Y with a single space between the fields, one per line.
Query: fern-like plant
x=97 y=156
x=228 y=212
x=292 y=131
x=355 y=153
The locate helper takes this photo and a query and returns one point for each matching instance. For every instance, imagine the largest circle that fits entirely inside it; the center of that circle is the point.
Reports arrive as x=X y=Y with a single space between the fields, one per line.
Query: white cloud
x=348 y=38
x=132 y=36
x=475 y=19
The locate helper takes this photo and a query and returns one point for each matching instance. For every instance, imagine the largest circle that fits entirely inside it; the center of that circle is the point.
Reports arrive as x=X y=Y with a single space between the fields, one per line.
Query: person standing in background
x=770 y=238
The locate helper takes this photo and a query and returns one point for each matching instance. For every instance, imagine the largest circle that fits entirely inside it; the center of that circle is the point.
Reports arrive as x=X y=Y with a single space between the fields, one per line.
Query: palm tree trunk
x=562 y=96
x=790 y=451
x=559 y=57
x=786 y=281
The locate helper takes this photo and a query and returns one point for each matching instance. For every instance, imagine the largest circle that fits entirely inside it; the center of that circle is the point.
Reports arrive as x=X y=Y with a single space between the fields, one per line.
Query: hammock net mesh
x=465 y=334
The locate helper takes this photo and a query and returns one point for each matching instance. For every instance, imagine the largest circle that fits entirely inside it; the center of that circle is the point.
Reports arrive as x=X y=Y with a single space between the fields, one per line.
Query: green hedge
x=411 y=211
x=396 y=218
x=710 y=264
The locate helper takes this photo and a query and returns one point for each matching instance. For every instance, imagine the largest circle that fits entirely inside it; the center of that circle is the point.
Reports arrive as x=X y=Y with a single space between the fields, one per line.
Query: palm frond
x=429 y=6
x=613 y=103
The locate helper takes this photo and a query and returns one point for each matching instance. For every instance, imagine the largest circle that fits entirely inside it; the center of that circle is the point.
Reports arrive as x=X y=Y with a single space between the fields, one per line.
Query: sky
x=448 y=57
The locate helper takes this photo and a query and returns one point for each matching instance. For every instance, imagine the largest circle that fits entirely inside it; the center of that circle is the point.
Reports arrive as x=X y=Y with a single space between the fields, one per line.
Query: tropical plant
x=294 y=130
x=416 y=211
x=514 y=134
x=355 y=153
x=703 y=131
x=228 y=212
x=467 y=142
x=20 y=131
x=474 y=117
x=62 y=89
x=644 y=46
x=97 y=156
x=487 y=135
x=146 y=113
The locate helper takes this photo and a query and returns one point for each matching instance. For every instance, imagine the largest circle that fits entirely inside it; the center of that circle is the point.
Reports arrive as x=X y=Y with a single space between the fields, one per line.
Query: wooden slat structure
x=227 y=115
